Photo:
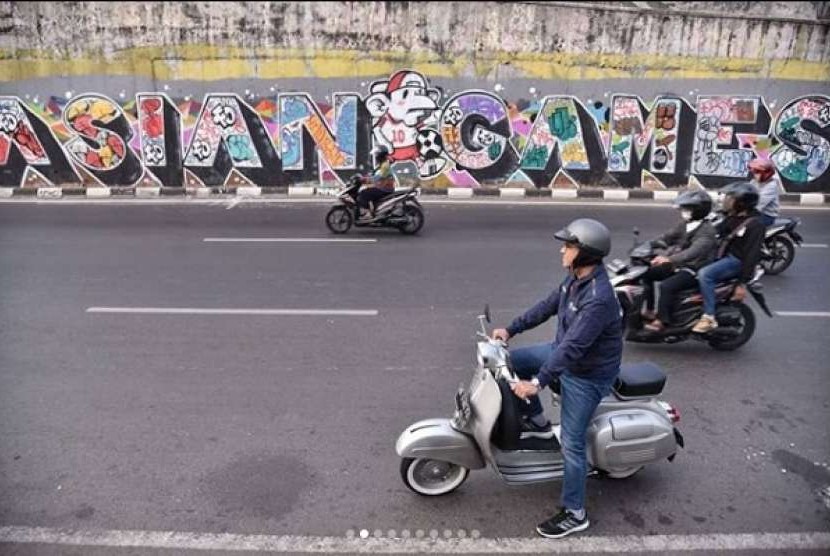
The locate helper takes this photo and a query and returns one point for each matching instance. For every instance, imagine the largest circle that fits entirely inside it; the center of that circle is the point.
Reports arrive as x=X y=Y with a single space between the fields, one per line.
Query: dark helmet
x=381 y=151
x=745 y=195
x=699 y=202
x=592 y=238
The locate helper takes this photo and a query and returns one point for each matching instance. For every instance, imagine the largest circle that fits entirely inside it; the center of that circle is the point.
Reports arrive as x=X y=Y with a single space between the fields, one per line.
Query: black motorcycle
x=399 y=209
x=736 y=320
x=778 y=249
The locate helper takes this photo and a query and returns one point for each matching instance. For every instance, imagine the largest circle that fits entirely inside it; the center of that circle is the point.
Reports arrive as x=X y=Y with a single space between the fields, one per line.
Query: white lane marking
x=285 y=240
x=291 y=543
x=203 y=311
x=824 y=314
x=815 y=245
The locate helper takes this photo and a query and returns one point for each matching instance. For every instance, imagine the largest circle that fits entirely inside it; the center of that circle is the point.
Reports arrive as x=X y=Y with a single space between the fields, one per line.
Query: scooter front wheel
x=339 y=219
x=432 y=477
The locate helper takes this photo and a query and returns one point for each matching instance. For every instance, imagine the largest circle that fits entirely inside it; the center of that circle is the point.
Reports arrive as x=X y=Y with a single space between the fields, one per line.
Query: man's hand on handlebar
x=524 y=389
x=501 y=334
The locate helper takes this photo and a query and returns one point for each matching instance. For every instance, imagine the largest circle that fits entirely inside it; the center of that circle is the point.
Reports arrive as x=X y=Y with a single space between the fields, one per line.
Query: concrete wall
x=741 y=78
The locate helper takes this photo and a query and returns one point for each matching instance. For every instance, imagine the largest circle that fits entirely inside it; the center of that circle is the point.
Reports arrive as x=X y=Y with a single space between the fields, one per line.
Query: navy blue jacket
x=589 y=331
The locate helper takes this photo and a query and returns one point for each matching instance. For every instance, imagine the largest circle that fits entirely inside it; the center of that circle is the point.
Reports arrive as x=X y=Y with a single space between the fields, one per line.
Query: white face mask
x=686 y=215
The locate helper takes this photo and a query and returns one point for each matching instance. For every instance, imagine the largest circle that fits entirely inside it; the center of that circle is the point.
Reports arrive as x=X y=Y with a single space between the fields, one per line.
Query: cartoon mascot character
x=402 y=110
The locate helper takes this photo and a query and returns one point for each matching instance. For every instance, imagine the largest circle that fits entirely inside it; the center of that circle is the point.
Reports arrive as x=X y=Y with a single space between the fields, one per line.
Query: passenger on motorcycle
x=742 y=234
x=764 y=178
x=382 y=180
x=691 y=245
x=585 y=357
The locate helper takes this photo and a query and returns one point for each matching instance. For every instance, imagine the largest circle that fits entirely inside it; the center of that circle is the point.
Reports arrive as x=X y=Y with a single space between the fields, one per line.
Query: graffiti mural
x=475 y=132
x=404 y=112
x=803 y=128
x=719 y=121
x=100 y=140
x=28 y=146
x=641 y=139
x=159 y=125
x=470 y=138
x=564 y=136
x=307 y=136
x=230 y=135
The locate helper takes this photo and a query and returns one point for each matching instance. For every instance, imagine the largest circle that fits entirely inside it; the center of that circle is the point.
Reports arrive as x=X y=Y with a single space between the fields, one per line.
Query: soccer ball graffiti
x=224 y=116
x=8 y=121
x=153 y=154
x=430 y=144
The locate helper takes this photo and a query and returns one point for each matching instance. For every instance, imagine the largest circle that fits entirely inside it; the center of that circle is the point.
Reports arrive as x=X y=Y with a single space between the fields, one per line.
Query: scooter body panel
x=437 y=439
x=629 y=433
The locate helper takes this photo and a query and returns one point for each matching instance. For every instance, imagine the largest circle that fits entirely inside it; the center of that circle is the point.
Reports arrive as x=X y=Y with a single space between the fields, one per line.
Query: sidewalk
x=303 y=192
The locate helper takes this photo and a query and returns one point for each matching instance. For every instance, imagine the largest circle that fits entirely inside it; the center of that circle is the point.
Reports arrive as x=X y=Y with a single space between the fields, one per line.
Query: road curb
x=506 y=193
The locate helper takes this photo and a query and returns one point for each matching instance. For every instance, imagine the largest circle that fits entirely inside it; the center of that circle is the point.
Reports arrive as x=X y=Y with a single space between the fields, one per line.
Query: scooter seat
x=639 y=380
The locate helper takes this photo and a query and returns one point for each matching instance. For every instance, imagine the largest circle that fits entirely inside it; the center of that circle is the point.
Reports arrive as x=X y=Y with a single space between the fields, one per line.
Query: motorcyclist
x=764 y=178
x=382 y=183
x=741 y=233
x=585 y=358
x=691 y=245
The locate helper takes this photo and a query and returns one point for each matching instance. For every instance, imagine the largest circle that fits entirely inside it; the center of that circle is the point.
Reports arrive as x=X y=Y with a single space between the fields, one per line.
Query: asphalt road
x=286 y=425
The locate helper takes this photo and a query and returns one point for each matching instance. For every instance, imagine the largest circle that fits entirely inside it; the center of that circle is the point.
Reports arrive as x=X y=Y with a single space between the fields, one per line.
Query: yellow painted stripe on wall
x=210 y=63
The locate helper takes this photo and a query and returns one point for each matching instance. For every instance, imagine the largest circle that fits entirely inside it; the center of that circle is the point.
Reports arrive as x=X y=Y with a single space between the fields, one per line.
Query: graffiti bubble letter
x=803 y=160
x=26 y=143
x=101 y=139
x=476 y=134
x=230 y=134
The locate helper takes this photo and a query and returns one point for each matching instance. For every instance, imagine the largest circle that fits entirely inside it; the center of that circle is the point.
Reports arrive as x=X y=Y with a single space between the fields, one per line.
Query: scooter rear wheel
x=747 y=329
x=782 y=253
x=414 y=220
x=432 y=477
x=623 y=474
x=339 y=219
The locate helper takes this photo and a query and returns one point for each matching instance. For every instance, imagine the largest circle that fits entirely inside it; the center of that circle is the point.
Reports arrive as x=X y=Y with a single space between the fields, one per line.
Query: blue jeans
x=580 y=398
x=709 y=276
x=767 y=220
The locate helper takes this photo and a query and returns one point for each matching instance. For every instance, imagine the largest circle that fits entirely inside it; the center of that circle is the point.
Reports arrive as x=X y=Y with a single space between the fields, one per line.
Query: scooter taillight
x=672 y=412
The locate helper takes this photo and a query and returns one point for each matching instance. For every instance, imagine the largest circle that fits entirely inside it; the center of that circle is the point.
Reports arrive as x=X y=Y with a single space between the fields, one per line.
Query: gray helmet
x=745 y=194
x=699 y=202
x=592 y=237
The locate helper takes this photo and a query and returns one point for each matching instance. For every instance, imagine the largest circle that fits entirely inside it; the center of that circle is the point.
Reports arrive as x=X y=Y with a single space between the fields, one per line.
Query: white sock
x=579 y=514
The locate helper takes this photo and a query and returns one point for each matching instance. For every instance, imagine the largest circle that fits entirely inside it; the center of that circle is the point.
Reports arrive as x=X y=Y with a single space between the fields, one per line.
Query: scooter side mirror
x=487 y=312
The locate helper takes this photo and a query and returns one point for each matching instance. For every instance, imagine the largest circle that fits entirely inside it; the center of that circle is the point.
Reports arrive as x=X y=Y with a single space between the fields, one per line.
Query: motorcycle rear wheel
x=414 y=220
x=431 y=477
x=782 y=253
x=339 y=219
x=748 y=328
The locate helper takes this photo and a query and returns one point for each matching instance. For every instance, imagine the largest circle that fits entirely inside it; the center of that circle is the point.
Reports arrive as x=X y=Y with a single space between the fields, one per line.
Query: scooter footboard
x=436 y=439
x=625 y=439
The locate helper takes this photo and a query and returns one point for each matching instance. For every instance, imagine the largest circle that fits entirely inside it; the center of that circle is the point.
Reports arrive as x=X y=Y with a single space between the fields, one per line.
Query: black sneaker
x=532 y=430
x=562 y=524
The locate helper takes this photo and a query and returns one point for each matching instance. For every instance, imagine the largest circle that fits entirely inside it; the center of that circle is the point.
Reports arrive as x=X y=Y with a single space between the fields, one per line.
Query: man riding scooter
x=585 y=358
x=764 y=178
x=691 y=245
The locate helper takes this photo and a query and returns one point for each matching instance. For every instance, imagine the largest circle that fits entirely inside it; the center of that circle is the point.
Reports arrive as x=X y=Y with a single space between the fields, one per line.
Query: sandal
x=648 y=315
x=655 y=326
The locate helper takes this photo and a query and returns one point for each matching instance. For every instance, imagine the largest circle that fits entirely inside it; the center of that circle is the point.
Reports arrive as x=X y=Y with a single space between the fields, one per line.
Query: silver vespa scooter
x=630 y=429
